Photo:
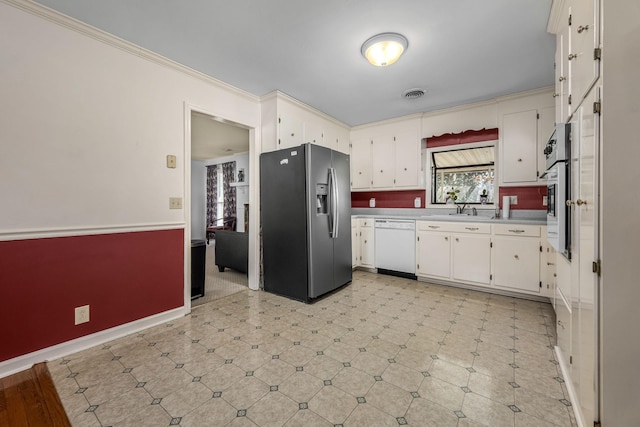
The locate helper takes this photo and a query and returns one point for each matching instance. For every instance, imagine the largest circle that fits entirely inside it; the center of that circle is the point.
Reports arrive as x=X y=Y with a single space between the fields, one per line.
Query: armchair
x=228 y=223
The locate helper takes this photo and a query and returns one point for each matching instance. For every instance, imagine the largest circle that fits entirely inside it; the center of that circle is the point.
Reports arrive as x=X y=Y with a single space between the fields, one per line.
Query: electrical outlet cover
x=82 y=314
x=514 y=200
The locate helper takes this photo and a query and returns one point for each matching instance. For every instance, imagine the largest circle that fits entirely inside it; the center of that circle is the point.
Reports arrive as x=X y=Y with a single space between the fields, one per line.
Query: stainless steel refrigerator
x=305 y=212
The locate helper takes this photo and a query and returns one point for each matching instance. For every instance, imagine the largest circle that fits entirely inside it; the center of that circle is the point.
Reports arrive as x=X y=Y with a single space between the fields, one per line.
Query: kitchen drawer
x=471 y=227
x=516 y=230
x=435 y=226
x=366 y=222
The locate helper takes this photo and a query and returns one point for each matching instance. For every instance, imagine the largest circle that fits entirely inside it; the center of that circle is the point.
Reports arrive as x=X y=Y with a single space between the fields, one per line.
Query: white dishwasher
x=396 y=246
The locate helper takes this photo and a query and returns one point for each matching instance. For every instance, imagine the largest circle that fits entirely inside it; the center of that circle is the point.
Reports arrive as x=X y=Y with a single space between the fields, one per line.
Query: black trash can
x=198 y=256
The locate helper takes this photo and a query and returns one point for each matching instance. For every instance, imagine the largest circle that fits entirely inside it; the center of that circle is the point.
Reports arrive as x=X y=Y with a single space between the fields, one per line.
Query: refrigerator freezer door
x=342 y=244
x=284 y=222
x=320 y=241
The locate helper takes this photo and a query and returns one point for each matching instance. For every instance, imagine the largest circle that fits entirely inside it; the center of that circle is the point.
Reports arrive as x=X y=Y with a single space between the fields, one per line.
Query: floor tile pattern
x=383 y=351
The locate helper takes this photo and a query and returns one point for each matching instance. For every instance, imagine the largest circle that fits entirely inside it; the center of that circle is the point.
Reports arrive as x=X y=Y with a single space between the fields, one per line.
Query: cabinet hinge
x=570 y=360
x=540 y=248
x=597 y=53
x=569 y=20
x=538 y=116
x=491 y=277
x=540 y=284
x=418 y=266
x=394 y=181
x=537 y=174
x=597 y=107
x=596 y=267
x=279 y=120
x=278 y=140
x=418 y=237
x=372 y=142
x=490 y=244
x=394 y=138
x=569 y=100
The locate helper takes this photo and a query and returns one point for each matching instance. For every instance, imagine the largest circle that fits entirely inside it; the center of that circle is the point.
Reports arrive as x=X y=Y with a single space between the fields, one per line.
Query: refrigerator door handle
x=334 y=203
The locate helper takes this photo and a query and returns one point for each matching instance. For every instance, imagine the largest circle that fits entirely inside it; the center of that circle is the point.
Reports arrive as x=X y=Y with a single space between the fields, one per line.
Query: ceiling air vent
x=413 y=93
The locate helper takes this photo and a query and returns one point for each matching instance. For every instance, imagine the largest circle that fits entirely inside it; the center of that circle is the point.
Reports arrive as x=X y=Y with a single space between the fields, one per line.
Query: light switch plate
x=175 y=202
x=171 y=161
x=514 y=200
x=544 y=200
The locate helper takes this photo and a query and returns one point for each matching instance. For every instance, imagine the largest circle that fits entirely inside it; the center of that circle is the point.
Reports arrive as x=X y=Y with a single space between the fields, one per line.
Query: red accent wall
x=528 y=197
x=123 y=277
x=388 y=199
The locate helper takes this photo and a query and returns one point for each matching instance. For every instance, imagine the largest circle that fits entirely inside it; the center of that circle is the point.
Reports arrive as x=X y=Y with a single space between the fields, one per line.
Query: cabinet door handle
x=561 y=324
x=457 y=239
x=516 y=256
x=581 y=202
x=471 y=228
x=582 y=28
x=446 y=238
x=519 y=160
x=561 y=78
x=380 y=170
x=572 y=56
x=433 y=226
x=405 y=168
x=516 y=231
x=570 y=203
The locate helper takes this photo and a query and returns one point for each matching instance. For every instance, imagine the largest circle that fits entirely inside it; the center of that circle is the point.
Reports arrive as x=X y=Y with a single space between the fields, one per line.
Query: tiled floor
x=383 y=351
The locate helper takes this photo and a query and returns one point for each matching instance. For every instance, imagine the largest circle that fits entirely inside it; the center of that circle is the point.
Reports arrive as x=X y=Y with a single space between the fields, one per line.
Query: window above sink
x=463 y=173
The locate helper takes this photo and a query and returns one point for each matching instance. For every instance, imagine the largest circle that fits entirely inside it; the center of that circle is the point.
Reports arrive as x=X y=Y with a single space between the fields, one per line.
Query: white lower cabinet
x=471 y=256
x=433 y=253
x=454 y=251
x=367 y=242
x=355 y=243
x=516 y=257
x=500 y=256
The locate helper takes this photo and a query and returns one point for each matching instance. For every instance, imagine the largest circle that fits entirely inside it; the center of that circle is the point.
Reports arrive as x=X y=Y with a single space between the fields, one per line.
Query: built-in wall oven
x=558 y=175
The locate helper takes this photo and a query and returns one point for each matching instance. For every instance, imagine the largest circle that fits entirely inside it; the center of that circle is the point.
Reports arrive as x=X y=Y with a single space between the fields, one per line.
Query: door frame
x=254 y=200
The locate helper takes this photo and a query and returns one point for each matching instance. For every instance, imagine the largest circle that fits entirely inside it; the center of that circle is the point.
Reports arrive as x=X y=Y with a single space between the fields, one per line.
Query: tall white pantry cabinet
x=597 y=92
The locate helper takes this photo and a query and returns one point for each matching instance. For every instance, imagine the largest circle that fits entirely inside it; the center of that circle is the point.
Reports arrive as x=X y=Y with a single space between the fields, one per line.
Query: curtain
x=212 y=194
x=228 y=174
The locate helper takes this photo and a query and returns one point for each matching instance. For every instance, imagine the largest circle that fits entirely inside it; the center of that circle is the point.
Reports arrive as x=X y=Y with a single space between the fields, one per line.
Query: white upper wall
x=85 y=128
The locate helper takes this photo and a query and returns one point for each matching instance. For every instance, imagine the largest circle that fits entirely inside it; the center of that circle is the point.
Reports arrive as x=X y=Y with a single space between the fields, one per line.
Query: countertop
x=522 y=217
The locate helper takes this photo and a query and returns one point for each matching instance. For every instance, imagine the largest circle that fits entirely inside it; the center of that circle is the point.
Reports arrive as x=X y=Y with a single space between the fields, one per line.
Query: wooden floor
x=29 y=398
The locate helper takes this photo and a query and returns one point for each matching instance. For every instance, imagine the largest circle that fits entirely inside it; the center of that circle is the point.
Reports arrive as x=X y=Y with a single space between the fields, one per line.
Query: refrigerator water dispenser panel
x=322 y=191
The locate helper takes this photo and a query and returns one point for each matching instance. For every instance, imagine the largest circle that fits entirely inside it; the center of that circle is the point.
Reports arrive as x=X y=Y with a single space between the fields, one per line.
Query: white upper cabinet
x=288 y=123
x=289 y=131
x=407 y=151
x=361 y=164
x=313 y=134
x=393 y=156
x=519 y=148
x=584 y=53
x=382 y=161
x=525 y=125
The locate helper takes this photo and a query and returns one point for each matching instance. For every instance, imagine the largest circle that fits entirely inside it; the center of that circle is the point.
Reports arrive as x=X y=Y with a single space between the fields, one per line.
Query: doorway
x=219 y=199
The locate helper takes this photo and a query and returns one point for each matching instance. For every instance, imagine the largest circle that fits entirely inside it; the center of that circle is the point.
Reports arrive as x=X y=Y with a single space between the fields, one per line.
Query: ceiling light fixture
x=384 y=49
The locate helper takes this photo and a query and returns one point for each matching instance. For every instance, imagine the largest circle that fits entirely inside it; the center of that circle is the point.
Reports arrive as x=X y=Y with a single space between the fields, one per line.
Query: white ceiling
x=211 y=138
x=460 y=51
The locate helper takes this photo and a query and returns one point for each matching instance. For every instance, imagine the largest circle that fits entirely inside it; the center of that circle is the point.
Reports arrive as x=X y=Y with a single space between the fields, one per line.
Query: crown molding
x=80 y=27
x=278 y=95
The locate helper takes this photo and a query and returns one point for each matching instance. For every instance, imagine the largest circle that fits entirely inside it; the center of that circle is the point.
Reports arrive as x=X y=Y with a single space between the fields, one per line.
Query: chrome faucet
x=460 y=209
x=474 y=212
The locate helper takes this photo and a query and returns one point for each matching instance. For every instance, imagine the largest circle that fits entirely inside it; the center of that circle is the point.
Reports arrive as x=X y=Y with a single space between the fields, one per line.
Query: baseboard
x=20 y=363
x=573 y=397
x=486 y=289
